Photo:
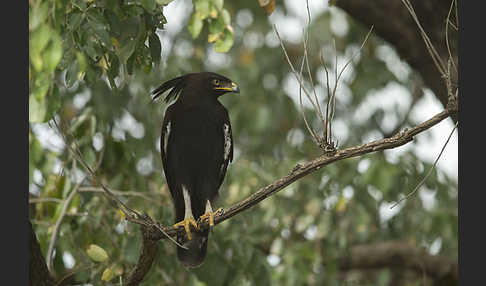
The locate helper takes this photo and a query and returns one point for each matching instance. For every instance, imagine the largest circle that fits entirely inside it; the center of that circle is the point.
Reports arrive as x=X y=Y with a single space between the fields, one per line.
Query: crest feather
x=176 y=84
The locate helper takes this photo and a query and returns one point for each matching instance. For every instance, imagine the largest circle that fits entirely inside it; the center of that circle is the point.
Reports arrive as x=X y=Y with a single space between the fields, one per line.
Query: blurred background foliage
x=92 y=66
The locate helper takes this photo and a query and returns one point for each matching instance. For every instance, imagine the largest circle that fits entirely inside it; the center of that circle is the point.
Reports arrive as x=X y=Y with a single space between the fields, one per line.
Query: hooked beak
x=234 y=88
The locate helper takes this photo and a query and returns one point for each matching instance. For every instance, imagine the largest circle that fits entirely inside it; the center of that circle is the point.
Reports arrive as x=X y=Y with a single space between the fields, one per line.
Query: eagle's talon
x=210 y=215
x=186 y=223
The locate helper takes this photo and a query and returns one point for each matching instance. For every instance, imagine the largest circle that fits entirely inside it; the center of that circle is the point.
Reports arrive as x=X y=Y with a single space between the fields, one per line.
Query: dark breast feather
x=194 y=154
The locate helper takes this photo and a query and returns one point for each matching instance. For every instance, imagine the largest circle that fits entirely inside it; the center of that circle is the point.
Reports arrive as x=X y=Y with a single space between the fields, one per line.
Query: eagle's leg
x=188 y=217
x=210 y=214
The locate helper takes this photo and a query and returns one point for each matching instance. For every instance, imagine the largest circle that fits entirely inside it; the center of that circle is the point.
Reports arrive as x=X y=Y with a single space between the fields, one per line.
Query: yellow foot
x=186 y=223
x=210 y=215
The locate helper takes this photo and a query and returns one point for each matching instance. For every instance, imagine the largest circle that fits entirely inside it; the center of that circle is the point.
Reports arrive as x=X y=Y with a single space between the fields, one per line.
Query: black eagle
x=196 y=146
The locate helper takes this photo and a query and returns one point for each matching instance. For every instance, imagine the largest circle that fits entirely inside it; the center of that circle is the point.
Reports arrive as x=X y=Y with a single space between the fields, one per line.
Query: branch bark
x=38 y=273
x=146 y=258
x=399 y=254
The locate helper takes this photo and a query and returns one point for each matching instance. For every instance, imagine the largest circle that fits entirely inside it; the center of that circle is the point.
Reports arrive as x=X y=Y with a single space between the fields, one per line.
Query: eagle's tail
x=194 y=255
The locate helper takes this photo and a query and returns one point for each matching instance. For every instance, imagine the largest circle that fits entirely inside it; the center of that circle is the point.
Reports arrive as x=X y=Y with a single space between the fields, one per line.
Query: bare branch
x=38 y=271
x=448 y=23
x=439 y=63
x=302 y=170
x=430 y=170
x=143 y=195
x=325 y=142
x=145 y=260
x=310 y=129
x=399 y=254
x=45 y=200
x=52 y=242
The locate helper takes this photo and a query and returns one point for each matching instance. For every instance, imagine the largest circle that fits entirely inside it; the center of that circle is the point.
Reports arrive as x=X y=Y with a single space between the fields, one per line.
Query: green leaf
x=99 y=27
x=213 y=37
x=93 y=74
x=159 y=20
x=148 y=5
x=83 y=65
x=41 y=85
x=129 y=38
x=80 y=4
x=93 y=53
x=155 y=47
x=224 y=44
x=218 y=4
x=195 y=25
x=203 y=8
x=101 y=33
x=226 y=17
x=130 y=63
x=216 y=25
x=64 y=184
x=114 y=67
x=213 y=11
x=37 y=42
x=85 y=115
x=163 y=2
x=96 y=253
x=74 y=20
x=90 y=157
x=114 y=21
x=107 y=275
x=37 y=109
x=127 y=49
x=53 y=53
x=71 y=75
x=38 y=14
x=75 y=203
x=53 y=103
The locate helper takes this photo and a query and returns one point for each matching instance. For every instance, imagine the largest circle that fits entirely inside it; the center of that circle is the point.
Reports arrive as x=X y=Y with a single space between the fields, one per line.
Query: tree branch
x=146 y=258
x=398 y=254
x=52 y=242
x=302 y=170
x=38 y=273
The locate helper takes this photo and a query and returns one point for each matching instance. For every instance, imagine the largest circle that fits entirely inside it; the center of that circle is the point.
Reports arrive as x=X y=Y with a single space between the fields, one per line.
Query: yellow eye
x=215 y=82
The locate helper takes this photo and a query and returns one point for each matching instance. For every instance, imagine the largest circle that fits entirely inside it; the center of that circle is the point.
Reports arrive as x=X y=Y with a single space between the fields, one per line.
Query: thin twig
x=306 y=57
x=292 y=68
x=119 y=193
x=45 y=200
x=302 y=110
x=448 y=23
x=52 y=242
x=428 y=43
x=328 y=86
x=130 y=214
x=326 y=141
x=429 y=172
